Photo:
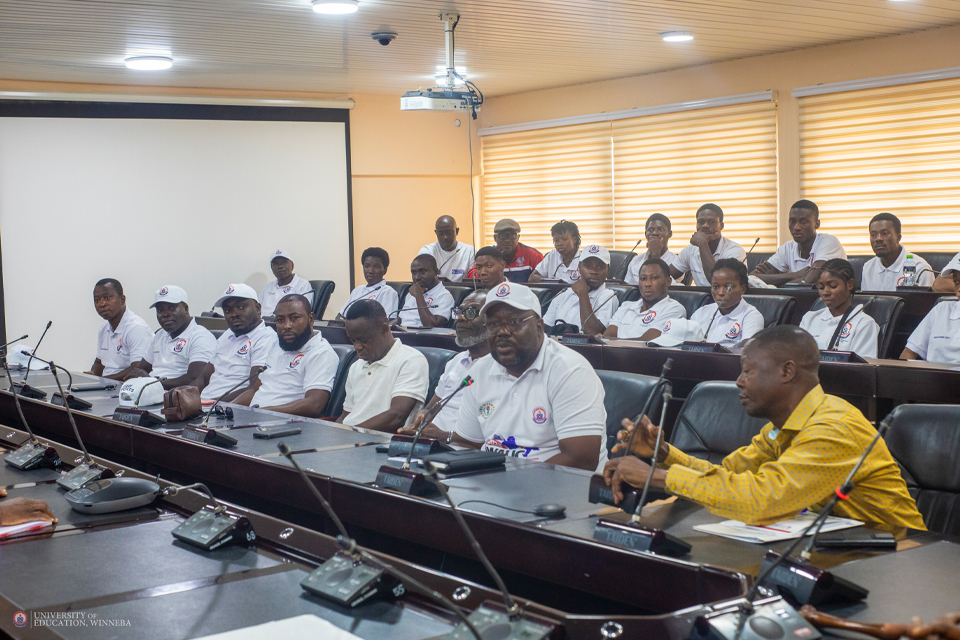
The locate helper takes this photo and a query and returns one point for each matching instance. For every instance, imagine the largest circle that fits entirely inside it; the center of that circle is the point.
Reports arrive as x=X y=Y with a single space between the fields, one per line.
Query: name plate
x=579 y=338
x=639 y=537
x=704 y=347
x=405 y=481
x=840 y=356
x=137 y=417
x=208 y=436
x=75 y=403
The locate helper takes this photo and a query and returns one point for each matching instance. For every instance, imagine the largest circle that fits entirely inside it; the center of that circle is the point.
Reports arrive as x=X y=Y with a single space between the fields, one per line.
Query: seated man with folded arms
x=453 y=257
x=645 y=319
x=730 y=320
x=301 y=371
x=124 y=337
x=658 y=232
x=859 y=331
x=885 y=271
x=563 y=262
x=181 y=349
x=800 y=259
x=242 y=349
x=488 y=268
x=937 y=338
x=533 y=398
x=588 y=304
x=20 y=510
x=470 y=334
x=944 y=282
x=375 y=262
x=813 y=440
x=285 y=283
x=428 y=303
x=707 y=245
x=388 y=384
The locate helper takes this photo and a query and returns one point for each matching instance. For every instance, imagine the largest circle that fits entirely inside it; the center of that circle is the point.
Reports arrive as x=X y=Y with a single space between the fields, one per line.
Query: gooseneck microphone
x=755 y=242
x=66 y=405
x=27 y=375
x=844 y=320
x=594 y=312
x=140 y=395
x=51 y=365
x=206 y=418
x=667 y=394
x=622 y=272
x=432 y=413
x=174 y=490
x=722 y=298
x=23 y=337
x=399 y=311
x=667 y=366
x=32 y=439
x=30 y=453
x=353 y=302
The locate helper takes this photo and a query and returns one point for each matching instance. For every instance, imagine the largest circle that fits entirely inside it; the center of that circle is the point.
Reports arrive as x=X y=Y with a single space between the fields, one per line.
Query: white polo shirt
x=877 y=277
x=731 y=329
x=452 y=265
x=552 y=267
x=385 y=295
x=559 y=396
x=458 y=368
x=372 y=385
x=128 y=345
x=825 y=247
x=438 y=295
x=273 y=292
x=566 y=307
x=633 y=271
x=859 y=333
x=632 y=322
x=293 y=373
x=236 y=355
x=689 y=259
x=172 y=357
x=937 y=339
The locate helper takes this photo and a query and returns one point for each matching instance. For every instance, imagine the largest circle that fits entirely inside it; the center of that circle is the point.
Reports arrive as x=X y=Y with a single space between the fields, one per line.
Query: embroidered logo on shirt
x=457 y=272
x=901 y=280
x=503 y=290
x=520 y=261
x=429 y=301
x=372 y=296
x=539 y=415
x=508 y=446
x=287 y=288
x=244 y=349
x=647 y=319
x=229 y=290
x=119 y=344
x=179 y=345
x=486 y=409
x=734 y=331
x=845 y=332
x=575 y=274
x=163 y=291
x=296 y=360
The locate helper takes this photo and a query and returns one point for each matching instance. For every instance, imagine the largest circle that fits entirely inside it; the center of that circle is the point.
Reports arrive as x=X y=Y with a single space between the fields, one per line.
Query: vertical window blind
x=894 y=149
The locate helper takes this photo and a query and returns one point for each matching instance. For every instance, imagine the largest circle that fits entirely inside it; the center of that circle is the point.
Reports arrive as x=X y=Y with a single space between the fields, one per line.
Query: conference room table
x=555 y=563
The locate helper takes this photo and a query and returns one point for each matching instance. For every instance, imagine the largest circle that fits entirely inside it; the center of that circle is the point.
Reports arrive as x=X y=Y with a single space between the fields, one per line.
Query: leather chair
x=625 y=293
x=886 y=311
x=625 y=395
x=217 y=333
x=459 y=292
x=691 y=300
x=755 y=258
x=938 y=259
x=924 y=439
x=339 y=391
x=857 y=263
x=322 y=290
x=617 y=266
x=402 y=289
x=775 y=309
x=544 y=295
x=437 y=359
x=712 y=423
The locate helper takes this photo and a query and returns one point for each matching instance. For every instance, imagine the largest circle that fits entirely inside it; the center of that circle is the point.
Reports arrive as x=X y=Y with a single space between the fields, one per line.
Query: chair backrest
x=459 y=292
x=617 y=259
x=437 y=359
x=712 y=423
x=339 y=391
x=924 y=439
x=691 y=300
x=774 y=309
x=544 y=295
x=402 y=290
x=857 y=262
x=625 y=292
x=625 y=395
x=755 y=258
x=885 y=310
x=322 y=290
x=217 y=333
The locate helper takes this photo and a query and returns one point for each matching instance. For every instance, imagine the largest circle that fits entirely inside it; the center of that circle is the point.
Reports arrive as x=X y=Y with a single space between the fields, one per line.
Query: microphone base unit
x=406 y=481
x=83 y=474
x=640 y=538
x=579 y=338
x=400 y=446
x=492 y=621
x=208 y=436
x=770 y=619
x=840 y=356
x=76 y=403
x=350 y=582
x=336 y=323
x=602 y=494
x=209 y=530
x=138 y=417
x=804 y=583
x=704 y=347
x=26 y=391
x=913 y=289
x=33 y=455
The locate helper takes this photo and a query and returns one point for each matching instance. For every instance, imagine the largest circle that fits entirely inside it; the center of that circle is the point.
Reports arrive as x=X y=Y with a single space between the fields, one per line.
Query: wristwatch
x=449 y=437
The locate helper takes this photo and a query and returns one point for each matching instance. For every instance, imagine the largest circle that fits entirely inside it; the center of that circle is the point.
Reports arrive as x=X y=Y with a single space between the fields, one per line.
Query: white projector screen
x=199 y=203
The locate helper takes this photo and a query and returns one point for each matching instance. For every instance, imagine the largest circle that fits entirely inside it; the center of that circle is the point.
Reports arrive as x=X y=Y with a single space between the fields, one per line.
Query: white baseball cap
x=953 y=265
x=280 y=253
x=676 y=332
x=595 y=251
x=131 y=389
x=236 y=291
x=169 y=293
x=516 y=295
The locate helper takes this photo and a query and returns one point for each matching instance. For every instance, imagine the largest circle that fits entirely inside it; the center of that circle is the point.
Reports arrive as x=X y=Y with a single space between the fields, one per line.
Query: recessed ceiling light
x=677 y=36
x=149 y=63
x=336 y=7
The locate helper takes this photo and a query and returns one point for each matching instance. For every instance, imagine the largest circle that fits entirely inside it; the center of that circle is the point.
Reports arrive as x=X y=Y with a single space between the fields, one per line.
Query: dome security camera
x=384 y=37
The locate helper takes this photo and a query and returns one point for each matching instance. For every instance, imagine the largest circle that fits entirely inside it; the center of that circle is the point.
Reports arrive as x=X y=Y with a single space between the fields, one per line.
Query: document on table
x=305 y=626
x=783 y=530
x=26 y=526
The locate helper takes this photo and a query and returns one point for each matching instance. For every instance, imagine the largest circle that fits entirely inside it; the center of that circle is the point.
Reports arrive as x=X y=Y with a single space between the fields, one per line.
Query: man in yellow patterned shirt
x=813 y=440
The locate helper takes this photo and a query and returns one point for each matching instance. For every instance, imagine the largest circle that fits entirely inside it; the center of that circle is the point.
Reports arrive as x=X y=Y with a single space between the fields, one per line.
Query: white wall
x=196 y=203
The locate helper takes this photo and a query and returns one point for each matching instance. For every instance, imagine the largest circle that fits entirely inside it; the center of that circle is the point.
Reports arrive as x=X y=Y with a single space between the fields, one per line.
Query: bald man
x=453 y=257
x=811 y=443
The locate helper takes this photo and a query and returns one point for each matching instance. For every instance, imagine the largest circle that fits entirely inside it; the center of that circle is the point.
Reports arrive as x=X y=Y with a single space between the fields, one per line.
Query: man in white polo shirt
x=588 y=303
x=182 y=349
x=301 y=370
x=800 y=259
x=428 y=303
x=241 y=350
x=285 y=283
x=388 y=384
x=453 y=257
x=706 y=246
x=885 y=271
x=124 y=337
x=533 y=397
x=375 y=262
x=646 y=318
x=937 y=339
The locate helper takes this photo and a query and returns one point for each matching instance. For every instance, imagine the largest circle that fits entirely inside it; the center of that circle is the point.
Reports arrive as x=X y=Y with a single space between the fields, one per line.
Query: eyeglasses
x=509 y=325
x=506 y=234
x=469 y=313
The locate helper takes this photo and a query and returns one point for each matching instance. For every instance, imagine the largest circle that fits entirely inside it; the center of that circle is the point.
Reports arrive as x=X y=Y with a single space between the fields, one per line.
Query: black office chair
x=774 y=309
x=886 y=311
x=339 y=391
x=691 y=300
x=544 y=295
x=625 y=395
x=399 y=287
x=618 y=262
x=756 y=258
x=217 y=333
x=625 y=292
x=857 y=263
x=459 y=292
x=712 y=423
x=924 y=439
x=437 y=359
x=322 y=290
x=401 y=297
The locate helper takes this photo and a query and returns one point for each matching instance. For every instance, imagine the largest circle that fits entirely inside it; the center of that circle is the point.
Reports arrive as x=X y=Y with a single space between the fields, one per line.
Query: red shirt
x=518 y=269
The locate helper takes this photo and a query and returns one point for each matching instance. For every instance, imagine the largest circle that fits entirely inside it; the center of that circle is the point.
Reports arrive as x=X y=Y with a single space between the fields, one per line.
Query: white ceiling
x=507 y=46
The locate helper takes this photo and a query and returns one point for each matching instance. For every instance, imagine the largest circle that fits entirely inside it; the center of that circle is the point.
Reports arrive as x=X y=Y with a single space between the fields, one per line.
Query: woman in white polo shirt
x=937 y=338
x=730 y=319
x=841 y=326
x=644 y=319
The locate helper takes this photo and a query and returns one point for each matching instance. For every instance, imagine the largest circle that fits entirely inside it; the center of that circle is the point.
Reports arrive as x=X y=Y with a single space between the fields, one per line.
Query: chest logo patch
x=486 y=410
x=845 y=332
x=520 y=261
x=244 y=349
x=508 y=446
x=119 y=345
x=539 y=415
x=651 y=315
x=287 y=288
x=575 y=275
x=179 y=345
x=901 y=280
x=296 y=360
x=734 y=330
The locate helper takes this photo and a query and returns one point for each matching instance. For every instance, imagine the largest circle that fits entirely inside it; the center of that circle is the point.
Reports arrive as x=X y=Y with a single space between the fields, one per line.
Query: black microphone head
x=284 y=449
x=23 y=337
x=667 y=366
x=25 y=352
x=49 y=322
